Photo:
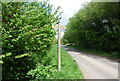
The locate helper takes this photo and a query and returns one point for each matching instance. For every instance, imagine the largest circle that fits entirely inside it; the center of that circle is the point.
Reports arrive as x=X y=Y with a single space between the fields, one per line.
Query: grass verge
x=69 y=68
x=109 y=55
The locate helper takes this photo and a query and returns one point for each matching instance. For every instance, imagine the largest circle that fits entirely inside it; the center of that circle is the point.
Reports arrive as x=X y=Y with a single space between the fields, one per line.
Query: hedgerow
x=27 y=34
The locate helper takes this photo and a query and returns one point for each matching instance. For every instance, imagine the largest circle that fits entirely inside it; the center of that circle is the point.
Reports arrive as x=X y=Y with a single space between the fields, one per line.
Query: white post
x=59 y=58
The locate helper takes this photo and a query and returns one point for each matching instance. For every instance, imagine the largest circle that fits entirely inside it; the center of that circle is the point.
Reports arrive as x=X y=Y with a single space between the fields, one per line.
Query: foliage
x=64 y=41
x=96 y=25
x=110 y=55
x=26 y=34
x=69 y=68
x=41 y=72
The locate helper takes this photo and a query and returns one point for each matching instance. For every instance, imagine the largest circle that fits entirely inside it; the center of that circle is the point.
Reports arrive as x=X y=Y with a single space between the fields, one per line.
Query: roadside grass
x=109 y=55
x=69 y=68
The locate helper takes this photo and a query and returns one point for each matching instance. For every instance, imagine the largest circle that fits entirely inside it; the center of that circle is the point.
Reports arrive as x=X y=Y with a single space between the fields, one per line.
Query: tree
x=96 y=26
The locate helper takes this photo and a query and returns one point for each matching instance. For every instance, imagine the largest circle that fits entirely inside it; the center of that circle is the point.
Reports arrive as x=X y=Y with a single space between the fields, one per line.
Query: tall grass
x=69 y=68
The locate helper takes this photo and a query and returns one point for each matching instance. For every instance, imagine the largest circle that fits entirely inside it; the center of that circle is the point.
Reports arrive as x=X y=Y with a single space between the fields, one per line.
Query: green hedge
x=26 y=36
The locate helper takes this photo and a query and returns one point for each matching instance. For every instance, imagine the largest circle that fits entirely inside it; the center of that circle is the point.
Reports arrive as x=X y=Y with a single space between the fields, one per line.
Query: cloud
x=62 y=33
x=68 y=7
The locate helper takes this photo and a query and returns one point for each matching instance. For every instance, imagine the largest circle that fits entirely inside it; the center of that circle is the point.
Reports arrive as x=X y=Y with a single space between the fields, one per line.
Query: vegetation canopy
x=96 y=26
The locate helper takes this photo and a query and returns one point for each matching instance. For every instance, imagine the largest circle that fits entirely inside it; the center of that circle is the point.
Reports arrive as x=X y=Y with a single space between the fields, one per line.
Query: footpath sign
x=59 y=44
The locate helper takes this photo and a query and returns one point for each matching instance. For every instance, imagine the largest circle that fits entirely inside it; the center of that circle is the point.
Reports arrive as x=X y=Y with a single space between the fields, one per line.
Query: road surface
x=94 y=67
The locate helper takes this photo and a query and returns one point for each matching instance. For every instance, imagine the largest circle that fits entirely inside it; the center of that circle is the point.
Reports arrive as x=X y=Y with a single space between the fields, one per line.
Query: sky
x=68 y=7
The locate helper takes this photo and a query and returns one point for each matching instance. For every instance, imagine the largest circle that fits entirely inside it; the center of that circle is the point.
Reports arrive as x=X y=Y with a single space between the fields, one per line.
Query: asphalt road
x=94 y=67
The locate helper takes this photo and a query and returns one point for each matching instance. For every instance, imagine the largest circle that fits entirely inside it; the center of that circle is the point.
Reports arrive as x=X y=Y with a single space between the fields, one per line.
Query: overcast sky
x=68 y=7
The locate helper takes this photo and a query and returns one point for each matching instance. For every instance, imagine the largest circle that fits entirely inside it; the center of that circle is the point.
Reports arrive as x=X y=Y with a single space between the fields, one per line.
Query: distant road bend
x=94 y=67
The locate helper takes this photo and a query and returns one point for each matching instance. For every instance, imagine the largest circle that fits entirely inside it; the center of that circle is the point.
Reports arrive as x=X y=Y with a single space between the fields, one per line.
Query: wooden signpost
x=59 y=44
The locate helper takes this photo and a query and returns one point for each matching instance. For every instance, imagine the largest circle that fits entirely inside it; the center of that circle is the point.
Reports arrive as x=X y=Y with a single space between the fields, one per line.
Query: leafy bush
x=64 y=41
x=40 y=72
x=27 y=34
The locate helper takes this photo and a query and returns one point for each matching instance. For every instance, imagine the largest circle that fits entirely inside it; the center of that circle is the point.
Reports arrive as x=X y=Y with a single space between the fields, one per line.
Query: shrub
x=27 y=28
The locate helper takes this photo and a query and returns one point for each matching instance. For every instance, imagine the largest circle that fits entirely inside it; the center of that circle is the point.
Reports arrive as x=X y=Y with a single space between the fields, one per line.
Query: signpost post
x=59 y=45
x=59 y=59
